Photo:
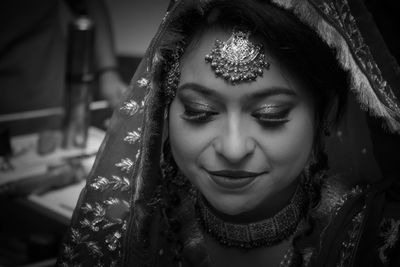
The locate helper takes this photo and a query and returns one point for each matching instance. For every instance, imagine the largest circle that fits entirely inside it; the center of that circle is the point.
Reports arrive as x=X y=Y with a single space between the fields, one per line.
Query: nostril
x=217 y=144
x=250 y=145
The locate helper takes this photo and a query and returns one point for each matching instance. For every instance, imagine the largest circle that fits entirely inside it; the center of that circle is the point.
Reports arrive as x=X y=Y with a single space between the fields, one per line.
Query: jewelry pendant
x=238 y=59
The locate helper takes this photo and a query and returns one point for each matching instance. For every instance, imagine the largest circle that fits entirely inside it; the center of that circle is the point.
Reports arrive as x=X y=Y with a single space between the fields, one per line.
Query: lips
x=233 y=179
x=234 y=174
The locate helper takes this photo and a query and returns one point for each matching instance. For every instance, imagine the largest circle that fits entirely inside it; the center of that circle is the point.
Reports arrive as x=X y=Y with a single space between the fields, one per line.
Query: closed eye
x=198 y=113
x=272 y=116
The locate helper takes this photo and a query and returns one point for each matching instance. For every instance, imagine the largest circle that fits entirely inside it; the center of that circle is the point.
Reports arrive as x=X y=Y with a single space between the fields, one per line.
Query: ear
x=328 y=121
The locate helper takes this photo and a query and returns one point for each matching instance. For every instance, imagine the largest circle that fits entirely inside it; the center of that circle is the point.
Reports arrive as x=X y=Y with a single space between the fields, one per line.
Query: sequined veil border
x=334 y=22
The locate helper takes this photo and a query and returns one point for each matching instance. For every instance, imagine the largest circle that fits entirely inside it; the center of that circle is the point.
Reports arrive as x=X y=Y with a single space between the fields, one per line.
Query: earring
x=315 y=173
x=173 y=178
x=326 y=128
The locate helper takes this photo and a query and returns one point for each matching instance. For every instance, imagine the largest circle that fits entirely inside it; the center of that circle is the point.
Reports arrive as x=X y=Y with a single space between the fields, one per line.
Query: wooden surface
x=27 y=162
x=60 y=203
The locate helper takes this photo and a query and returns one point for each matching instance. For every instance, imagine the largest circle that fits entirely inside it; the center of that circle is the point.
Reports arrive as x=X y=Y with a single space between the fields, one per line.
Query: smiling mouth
x=233 y=179
x=234 y=174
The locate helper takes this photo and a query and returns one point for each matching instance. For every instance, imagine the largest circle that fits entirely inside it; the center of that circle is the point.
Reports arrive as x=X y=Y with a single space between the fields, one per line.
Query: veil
x=115 y=223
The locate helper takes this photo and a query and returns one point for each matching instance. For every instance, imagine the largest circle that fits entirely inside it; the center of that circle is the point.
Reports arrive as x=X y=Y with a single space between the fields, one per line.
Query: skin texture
x=265 y=126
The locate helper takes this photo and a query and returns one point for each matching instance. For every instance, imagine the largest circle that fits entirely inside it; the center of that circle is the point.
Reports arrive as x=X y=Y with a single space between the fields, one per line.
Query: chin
x=231 y=205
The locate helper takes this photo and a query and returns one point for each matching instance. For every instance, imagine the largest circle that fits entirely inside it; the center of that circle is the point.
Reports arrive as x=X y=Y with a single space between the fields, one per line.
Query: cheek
x=186 y=143
x=179 y=140
x=290 y=149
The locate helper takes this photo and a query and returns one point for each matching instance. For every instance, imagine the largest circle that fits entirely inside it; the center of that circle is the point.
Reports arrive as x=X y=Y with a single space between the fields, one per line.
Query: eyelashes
x=268 y=115
x=198 y=113
x=271 y=115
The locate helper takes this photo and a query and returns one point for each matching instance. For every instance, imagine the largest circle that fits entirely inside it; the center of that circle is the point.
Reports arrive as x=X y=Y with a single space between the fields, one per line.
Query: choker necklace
x=263 y=233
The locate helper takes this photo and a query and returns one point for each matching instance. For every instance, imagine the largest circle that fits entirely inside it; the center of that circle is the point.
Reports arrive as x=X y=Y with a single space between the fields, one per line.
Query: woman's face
x=244 y=145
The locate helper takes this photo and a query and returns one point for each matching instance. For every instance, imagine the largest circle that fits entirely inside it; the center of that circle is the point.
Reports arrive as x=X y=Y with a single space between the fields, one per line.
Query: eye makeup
x=198 y=112
x=270 y=115
x=198 y=109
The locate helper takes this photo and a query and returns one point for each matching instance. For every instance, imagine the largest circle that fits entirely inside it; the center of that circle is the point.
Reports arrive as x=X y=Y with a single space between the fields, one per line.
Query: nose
x=235 y=143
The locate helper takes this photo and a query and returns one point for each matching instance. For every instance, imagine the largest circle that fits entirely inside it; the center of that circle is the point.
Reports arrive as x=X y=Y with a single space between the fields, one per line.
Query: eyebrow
x=263 y=93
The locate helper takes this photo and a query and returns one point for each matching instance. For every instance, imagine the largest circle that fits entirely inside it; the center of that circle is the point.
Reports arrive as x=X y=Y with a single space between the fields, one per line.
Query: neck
x=266 y=232
x=259 y=257
x=266 y=209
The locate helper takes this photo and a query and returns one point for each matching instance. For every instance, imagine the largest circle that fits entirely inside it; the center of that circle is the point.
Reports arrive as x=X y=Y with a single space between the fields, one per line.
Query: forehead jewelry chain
x=173 y=74
x=238 y=59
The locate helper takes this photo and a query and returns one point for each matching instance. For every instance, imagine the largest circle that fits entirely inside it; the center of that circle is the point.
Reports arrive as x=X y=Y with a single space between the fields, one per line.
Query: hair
x=298 y=48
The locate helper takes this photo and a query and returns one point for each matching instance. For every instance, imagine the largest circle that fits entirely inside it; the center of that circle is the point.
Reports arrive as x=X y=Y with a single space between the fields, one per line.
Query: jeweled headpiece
x=238 y=59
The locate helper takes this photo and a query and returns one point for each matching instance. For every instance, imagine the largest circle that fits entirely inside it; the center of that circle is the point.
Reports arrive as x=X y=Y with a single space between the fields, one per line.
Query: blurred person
x=33 y=50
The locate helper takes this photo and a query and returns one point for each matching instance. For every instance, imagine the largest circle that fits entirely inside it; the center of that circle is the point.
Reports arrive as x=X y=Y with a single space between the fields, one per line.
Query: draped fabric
x=117 y=223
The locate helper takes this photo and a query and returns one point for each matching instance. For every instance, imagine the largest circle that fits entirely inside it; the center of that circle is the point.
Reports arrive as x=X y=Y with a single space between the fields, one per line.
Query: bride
x=241 y=158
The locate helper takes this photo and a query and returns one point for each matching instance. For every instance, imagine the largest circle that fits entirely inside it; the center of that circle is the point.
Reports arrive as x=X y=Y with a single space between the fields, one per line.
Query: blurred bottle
x=5 y=150
x=79 y=82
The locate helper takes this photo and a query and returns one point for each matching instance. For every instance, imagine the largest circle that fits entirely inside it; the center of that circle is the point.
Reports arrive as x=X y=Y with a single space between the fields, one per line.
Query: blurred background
x=64 y=66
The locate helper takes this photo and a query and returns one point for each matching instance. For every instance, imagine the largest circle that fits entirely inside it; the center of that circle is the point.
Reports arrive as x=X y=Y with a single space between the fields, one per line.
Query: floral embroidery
x=130 y=107
x=94 y=249
x=389 y=233
x=355 y=191
x=143 y=82
x=112 y=240
x=81 y=240
x=353 y=233
x=77 y=238
x=112 y=201
x=125 y=165
x=69 y=252
x=98 y=212
x=96 y=217
x=349 y=244
x=132 y=137
x=114 y=183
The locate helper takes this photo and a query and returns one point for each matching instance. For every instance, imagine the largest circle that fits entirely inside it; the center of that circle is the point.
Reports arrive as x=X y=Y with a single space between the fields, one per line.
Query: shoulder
x=388 y=230
x=335 y=193
x=359 y=226
x=333 y=220
x=388 y=247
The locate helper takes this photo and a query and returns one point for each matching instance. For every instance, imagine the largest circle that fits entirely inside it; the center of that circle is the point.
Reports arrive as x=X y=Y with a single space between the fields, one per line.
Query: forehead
x=194 y=68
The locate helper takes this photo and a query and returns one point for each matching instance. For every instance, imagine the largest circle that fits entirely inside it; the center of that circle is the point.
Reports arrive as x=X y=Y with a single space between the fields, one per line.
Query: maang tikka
x=238 y=59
